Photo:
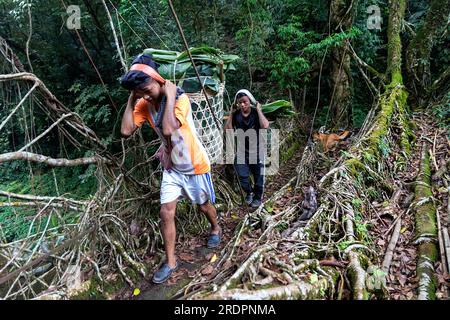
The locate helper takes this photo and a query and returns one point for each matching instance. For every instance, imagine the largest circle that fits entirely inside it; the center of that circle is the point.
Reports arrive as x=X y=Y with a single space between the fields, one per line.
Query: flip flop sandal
x=164 y=273
x=214 y=240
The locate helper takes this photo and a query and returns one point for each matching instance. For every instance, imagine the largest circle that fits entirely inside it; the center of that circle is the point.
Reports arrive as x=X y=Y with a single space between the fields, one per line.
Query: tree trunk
x=341 y=18
x=396 y=15
x=419 y=49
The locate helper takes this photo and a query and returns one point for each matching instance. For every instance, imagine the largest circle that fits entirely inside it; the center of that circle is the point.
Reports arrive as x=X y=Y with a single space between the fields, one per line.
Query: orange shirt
x=188 y=154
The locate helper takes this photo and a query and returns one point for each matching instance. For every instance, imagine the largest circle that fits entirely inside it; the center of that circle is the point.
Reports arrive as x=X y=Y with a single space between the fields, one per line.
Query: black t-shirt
x=245 y=123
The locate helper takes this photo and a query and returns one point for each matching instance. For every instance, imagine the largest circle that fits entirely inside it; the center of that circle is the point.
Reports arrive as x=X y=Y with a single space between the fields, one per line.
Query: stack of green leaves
x=177 y=67
x=278 y=109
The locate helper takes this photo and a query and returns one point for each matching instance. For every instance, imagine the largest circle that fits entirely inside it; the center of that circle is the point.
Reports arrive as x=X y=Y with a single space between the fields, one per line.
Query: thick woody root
x=294 y=291
x=426 y=229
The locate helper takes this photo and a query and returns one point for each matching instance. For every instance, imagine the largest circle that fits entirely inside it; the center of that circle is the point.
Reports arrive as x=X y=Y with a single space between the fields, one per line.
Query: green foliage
x=19 y=223
x=361 y=228
x=281 y=44
x=333 y=40
x=91 y=104
x=287 y=70
x=372 y=193
x=356 y=202
x=343 y=245
x=442 y=112
x=359 y=112
x=369 y=45
x=383 y=146
x=281 y=226
x=72 y=182
x=369 y=157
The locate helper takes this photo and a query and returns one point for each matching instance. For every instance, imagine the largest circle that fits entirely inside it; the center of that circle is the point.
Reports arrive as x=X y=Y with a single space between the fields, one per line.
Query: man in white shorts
x=186 y=164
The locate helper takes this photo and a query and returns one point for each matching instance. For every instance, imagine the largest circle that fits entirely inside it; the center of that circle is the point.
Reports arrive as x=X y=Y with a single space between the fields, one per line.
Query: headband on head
x=143 y=69
x=152 y=73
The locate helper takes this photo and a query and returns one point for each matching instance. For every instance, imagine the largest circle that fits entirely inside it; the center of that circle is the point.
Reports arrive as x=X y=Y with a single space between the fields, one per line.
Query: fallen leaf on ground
x=186 y=256
x=208 y=270
x=227 y=265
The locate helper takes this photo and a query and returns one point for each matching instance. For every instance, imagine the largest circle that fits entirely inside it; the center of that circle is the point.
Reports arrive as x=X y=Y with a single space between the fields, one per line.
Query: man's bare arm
x=263 y=122
x=170 y=122
x=128 y=127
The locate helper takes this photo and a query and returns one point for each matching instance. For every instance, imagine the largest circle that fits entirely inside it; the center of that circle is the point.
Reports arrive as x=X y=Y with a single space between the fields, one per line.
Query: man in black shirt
x=250 y=120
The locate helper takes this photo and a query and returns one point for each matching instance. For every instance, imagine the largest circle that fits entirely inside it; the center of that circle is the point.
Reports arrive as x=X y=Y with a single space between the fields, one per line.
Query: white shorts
x=196 y=187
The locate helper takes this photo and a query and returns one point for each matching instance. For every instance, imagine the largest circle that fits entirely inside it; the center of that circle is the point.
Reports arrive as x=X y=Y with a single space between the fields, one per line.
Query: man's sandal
x=164 y=273
x=214 y=240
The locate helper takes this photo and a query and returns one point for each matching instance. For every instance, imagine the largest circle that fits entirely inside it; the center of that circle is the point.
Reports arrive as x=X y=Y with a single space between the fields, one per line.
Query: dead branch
x=391 y=247
x=18 y=105
x=40 y=198
x=447 y=246
x=60 y=162
x=37 y=204
x=45 y=132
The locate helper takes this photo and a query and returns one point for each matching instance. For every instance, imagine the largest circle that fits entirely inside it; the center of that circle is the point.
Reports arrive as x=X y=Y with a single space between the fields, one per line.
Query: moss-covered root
x=294 y=291
x=426 y=229
x=357 y=277
x=425 y=271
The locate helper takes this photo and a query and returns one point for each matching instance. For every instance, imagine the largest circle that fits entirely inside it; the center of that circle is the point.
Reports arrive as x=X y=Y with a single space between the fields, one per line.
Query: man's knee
x=167 y=213
x=206 y=207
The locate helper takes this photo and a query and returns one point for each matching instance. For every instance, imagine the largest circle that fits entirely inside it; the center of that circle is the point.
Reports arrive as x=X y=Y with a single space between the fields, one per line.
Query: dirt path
x=192 y=252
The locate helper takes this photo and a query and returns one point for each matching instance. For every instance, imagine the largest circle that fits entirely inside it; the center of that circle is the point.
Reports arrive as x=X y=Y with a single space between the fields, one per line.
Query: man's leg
x=243 y=173
x=168 y=230
x=210 y=212
x=258 y=175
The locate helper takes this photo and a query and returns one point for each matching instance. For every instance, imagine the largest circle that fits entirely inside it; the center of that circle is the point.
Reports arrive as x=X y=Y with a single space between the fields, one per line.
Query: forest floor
x=402 y=282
